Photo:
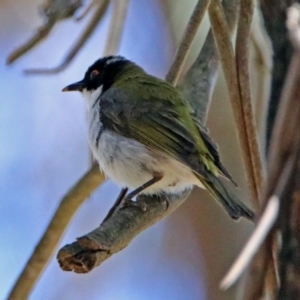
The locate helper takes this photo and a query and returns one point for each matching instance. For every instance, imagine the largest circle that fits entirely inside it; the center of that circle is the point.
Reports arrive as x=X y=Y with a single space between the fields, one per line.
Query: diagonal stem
x=226 y=53
x=186 y=41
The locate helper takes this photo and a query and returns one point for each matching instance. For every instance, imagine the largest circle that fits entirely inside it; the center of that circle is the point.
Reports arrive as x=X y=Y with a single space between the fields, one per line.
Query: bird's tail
x=233 y=206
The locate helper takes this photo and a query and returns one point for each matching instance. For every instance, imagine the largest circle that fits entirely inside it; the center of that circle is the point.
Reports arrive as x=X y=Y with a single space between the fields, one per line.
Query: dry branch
x=186 y=41
x=116 y=27
x=52 y=11
x=283 y=181
x=94 y=21
x=242 y=63
x=225 y=49
x=113 y=235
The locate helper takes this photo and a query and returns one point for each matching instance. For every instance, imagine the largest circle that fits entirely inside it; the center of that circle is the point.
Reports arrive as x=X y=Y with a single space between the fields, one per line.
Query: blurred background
x=44 y=151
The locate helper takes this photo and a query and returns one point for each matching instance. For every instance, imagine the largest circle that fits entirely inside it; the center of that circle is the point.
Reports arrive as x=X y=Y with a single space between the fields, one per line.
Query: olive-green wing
x=213 y=149
x=156 y=124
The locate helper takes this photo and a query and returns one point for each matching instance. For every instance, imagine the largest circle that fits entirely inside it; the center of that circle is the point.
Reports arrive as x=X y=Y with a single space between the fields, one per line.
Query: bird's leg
x=116 y=204
x=127 y=201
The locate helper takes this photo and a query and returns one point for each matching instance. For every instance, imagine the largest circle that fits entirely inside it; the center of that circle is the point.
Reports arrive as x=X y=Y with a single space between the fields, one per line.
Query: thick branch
x=112 y=236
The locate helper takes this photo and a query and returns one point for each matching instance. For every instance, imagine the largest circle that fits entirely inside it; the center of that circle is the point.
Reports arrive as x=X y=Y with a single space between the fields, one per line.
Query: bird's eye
x=94 y=74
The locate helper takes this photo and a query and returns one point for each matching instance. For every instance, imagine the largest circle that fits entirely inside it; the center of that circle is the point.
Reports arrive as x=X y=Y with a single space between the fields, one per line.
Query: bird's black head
x=102 y=73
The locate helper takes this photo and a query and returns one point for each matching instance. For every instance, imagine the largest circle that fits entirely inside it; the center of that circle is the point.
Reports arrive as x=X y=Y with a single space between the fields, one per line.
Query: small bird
x=145 y=136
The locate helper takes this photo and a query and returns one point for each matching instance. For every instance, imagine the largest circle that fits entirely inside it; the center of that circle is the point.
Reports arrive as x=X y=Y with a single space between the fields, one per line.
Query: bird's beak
x=77 y=86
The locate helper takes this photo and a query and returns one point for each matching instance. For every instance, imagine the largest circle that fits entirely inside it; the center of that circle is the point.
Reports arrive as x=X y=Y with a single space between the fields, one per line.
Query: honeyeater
x=146 y=137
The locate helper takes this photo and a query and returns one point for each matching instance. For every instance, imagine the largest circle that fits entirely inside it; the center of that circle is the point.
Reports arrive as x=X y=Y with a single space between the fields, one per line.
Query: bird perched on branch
x=145 y=136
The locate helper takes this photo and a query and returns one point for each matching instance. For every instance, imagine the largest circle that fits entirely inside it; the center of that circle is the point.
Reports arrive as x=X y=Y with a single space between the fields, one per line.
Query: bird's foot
x=164 y=199
x=126 y=202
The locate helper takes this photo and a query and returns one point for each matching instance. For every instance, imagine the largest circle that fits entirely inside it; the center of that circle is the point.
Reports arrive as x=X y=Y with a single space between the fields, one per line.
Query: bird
x=146 y=137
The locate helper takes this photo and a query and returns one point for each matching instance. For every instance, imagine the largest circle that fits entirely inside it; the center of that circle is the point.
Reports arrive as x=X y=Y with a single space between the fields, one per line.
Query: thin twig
x=52 y=11
x=42 y=33
x=225 y=49
x=255 y=241
x=186 y=42
x=207 y=67
x=116 y=27
x=263 y=72
x=242 y=63
x=44 y=249
x=285 y=133
x=98 y=15
x=86 y=11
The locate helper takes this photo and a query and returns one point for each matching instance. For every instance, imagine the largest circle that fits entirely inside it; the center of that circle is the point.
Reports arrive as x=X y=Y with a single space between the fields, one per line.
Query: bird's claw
x=126 y=202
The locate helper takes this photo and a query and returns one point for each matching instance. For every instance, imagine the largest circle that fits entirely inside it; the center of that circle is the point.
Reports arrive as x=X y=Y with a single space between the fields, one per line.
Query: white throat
x=91 y=96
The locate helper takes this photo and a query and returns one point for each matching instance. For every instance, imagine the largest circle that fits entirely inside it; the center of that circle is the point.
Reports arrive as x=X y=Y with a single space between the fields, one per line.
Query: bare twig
x=98 y=15
x=263 y=71
x=242 y=60
x=225 y=49
x=113 y=235
x=42 y=33
x=242 y=63
x=86 y=10
x=116 y=27
x=186 y=42
x=53 y=11
x=264 y=225
x=206 y=66
x=44 y=249
x=283 y=174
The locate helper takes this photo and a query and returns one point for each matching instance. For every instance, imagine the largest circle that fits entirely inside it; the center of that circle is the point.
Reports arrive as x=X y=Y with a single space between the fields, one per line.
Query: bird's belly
x=130 y=164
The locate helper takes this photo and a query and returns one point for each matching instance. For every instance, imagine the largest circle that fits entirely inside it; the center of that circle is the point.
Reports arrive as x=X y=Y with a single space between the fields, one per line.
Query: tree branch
x=113 y=235
x=186 y=41
x=206 y=66
x=94 y=21
x=283 y=181
x=116 y=27
x=53 y=11
x=242 y=63
x=225 y=49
